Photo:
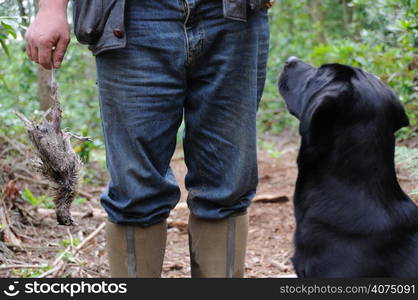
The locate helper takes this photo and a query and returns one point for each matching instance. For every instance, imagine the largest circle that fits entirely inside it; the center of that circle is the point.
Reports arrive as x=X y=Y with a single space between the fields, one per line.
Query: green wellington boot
x=135 y=251
x=217 y=247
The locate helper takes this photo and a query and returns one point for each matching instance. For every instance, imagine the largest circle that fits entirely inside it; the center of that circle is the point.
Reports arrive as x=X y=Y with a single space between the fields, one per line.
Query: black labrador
x=353 y=219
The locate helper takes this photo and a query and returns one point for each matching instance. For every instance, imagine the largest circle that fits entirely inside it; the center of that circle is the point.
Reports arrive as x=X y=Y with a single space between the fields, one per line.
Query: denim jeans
x=183 y=59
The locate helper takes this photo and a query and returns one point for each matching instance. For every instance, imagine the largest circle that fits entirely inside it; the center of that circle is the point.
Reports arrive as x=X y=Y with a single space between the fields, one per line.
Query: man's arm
x=49 y=29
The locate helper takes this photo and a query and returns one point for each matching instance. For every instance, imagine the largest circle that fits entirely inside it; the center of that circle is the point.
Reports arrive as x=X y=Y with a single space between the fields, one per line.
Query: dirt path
x=271 y=224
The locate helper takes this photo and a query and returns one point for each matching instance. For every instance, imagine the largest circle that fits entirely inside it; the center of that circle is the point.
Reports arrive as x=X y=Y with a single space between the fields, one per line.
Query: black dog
x=353 y=219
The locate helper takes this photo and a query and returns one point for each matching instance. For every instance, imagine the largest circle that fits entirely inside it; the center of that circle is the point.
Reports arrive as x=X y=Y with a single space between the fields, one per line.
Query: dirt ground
x=42 y=242
x=271 y=224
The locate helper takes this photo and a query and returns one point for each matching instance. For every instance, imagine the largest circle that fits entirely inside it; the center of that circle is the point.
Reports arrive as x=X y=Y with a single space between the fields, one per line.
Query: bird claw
x=66 y=221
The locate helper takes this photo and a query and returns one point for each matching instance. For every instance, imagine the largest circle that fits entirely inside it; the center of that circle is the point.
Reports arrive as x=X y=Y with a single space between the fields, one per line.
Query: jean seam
x=186 y=36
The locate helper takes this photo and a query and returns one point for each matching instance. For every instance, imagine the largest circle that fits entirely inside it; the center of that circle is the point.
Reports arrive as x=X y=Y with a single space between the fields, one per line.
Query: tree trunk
x=23 y=13
x=44 y=80
x=317 y=17
x=347 y=16
x=290 y=19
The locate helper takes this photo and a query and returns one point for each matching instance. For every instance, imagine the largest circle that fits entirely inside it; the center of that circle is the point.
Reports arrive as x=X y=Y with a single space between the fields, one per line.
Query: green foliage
x=42 y=200
x=78 y=95
x=69 y=257
x=84 y=149
x=380 y=36
x=29 y=272
x=67 y=242
x=6 y=30
x=19 y=82
x=270 y=148
x=18 y=91
x=80 y=201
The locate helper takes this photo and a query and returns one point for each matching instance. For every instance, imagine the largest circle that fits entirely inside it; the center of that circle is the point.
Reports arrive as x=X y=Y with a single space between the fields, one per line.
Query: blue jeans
x=182 y=60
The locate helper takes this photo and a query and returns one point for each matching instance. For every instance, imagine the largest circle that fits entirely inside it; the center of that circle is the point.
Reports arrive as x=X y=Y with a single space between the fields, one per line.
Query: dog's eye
x=308 y=84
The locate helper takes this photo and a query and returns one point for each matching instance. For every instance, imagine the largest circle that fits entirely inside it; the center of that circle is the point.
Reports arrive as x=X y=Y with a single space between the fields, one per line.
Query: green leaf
x=9 y=29
x=80 y=200
x=5 y=48
x=29 y=197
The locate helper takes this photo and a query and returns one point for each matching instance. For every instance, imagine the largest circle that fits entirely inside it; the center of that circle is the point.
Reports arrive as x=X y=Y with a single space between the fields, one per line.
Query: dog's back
x=324 y=250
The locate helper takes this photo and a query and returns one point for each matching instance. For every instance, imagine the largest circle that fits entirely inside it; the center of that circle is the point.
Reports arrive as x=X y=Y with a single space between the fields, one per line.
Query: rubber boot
x=135 y=251
x=218 y=247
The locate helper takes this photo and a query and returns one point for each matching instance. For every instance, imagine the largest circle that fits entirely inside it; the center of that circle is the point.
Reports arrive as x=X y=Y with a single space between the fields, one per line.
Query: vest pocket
x=90 y=18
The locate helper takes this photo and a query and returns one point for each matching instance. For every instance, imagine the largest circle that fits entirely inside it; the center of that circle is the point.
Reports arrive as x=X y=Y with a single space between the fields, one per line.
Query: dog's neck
x=365 y=166
x=355 y=183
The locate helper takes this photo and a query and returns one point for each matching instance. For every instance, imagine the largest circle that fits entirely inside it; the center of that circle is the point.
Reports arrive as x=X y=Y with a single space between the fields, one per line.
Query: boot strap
x=130 y=242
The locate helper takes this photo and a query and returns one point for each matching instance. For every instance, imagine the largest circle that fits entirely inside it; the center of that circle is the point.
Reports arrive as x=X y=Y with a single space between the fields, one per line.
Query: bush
x=379 y=36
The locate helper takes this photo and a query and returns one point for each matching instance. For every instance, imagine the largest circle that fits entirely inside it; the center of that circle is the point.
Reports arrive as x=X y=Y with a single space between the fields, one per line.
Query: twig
x=32 y=248
x=85 y=194
x=6 y=150
x=271 y=198
x=91 y=236
x=8 y=267
x=403 y=178
x=8 y=235
x=15 y=145
x=94 y=212
x=71 y=238
x=291 y=275
x=80 y=138
x=51 y=271
x=34 y=180
x=59 y=263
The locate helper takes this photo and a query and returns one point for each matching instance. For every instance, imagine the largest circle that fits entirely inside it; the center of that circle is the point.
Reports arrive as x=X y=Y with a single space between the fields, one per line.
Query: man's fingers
x=31 y=50
x=59 y=51
x=45 y=56
x=28 y=50
x=34 y=54
x=28 y=45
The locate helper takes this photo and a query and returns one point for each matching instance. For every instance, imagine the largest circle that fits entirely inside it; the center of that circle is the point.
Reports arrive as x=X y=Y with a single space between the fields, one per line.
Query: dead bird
x=56 y=159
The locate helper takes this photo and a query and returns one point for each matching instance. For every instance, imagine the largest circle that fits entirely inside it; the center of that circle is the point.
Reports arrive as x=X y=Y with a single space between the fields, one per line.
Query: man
x=157 y=63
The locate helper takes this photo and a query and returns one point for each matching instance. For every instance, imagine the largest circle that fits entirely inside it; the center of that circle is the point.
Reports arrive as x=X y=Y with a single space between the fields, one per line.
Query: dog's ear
x=400 y=118
x=320 y=114
x=294 y=106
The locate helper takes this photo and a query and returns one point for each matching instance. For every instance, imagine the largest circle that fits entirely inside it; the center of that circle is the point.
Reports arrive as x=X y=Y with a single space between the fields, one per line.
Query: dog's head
x=336 y=96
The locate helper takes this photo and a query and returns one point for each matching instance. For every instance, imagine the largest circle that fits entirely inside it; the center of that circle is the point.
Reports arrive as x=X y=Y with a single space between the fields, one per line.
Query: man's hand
x=48 y=36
